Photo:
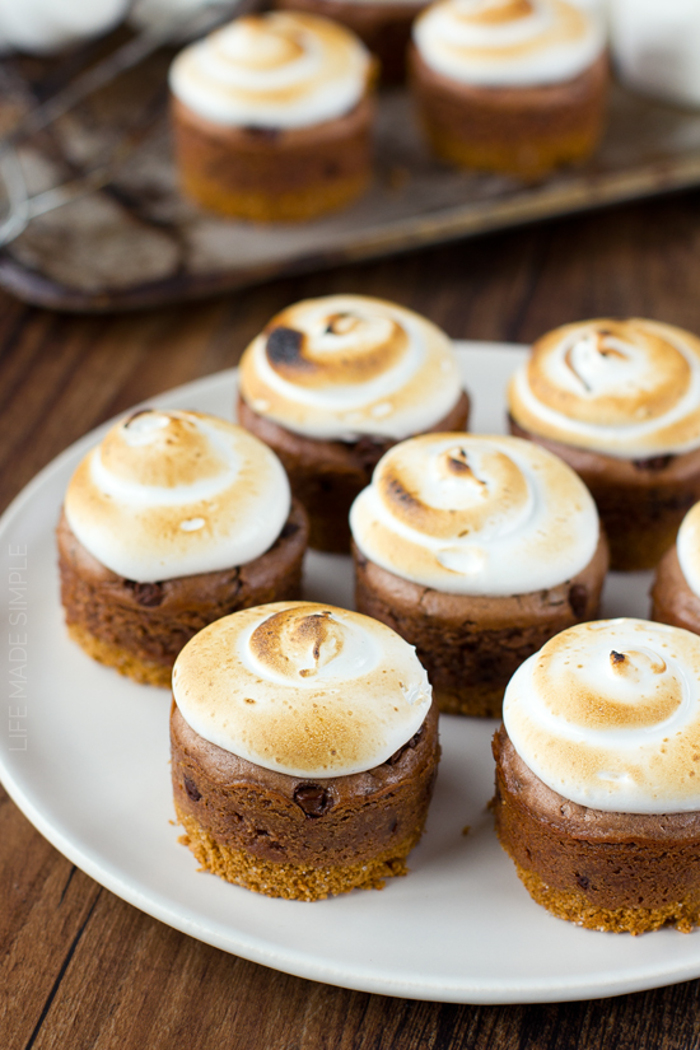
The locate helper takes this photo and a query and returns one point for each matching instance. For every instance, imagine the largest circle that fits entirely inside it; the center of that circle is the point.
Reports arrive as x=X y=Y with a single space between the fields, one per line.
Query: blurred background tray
x=137 y=243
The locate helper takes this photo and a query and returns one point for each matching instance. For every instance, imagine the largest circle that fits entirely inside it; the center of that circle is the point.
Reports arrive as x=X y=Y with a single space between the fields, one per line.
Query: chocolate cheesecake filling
x=604 y=870
x=641 y=502
x=470 y=645
x=126 y=623
x=523 y=131
x=325 y=824
x=673 y=601
x=291 y=175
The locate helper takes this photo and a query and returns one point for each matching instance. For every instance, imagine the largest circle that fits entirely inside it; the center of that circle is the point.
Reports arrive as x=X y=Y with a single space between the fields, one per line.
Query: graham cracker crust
x=576 y=908
x=287 y=880
x=147 y=672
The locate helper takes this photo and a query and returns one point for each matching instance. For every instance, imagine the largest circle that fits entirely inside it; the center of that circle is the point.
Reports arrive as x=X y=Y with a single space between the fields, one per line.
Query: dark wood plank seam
x=68 y=882
x=61 y=973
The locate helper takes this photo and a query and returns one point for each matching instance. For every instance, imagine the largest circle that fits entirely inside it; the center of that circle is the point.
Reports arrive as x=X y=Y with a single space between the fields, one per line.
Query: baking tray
x=137 y=243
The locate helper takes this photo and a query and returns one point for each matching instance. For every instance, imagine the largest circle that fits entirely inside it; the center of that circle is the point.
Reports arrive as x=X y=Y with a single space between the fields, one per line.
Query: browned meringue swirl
x=483 y=488
x=608 y=714
x=280 y=69
x=508 y=43
x=303 y=688
x=297 y=641
x=177 y=453
x=171 y=493
x=651 y=373
x=629 y=388
x=634 y=667
x=502 y=13
x=301 y=357
x=475 y=514
x=342 y=366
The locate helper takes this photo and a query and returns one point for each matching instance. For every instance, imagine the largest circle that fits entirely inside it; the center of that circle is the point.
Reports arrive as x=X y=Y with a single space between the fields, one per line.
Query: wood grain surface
x=81 y=969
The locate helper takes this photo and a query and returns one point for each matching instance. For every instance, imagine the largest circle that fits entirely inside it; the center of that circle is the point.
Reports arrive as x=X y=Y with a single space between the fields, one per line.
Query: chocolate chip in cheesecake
x=290 y=529
x=263 y=134
x=653 y=463
x=412 y=743
x=313 y=799
x=578 y=599
x=148 y=594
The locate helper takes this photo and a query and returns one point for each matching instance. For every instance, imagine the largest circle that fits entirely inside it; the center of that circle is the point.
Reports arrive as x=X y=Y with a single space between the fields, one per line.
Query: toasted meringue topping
x=608 y=715
x=301 y=688
x=626 y=388
x=277 y=70
x=347 y=365
x=173 y=493
x=476 y=515
x=508 y=43
x=688 y=548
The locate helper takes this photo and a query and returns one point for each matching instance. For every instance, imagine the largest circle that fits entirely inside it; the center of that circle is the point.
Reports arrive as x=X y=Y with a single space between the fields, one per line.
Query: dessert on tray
x=272 y=116
x=384 y=26
x=511 y=86
x=675 y=593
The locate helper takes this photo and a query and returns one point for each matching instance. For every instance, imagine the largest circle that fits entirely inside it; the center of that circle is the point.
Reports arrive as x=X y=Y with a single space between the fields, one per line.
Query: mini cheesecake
x=597 y=799
x=332 y=383
x=174 y=520
x=272 y=117
x=516 y=87
x=304 y=750
x=620 y=402
x=476 y=549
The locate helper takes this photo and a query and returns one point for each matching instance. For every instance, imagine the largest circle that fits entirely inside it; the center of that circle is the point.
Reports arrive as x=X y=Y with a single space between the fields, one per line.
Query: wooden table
x=80 y=968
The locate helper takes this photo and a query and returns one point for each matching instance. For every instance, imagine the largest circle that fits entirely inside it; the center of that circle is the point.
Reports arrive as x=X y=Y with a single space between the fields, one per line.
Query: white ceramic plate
x=86 y=759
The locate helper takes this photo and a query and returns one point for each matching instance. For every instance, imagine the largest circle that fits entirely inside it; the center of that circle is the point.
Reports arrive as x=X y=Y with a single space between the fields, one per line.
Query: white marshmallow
x=656 y=46
x=346 y=365
x=42 y=26
x=688 y=548
x=625 y=388
x=303 y=689
x=280 y=70
x=508 y=43
x=608 y=715
x=476 y=515
x=170 y=494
